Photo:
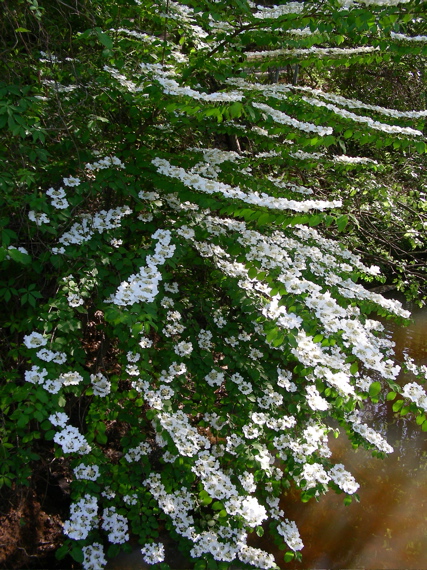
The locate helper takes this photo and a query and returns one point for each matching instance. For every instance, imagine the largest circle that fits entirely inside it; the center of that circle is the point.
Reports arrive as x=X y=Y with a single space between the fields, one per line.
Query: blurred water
x=388 y=528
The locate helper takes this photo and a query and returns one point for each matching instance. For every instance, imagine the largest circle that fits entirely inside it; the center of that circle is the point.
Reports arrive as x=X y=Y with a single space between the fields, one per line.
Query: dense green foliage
x=163 y=169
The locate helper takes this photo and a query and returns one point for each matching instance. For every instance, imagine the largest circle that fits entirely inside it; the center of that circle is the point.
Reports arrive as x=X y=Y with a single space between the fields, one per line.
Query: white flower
x=72 y=441
x=288 y=529
x=70 y=378
x=101 y=385
x=94 y=558
x=74 y=300
x=153 y=553
x=117 y=526
x=38 y=218
x=183 y=348
x=87 y=472
x=71 y=181
x=145 y=342
x=314 y=399
x=171 y=287
x=136 y=453
x=60 y=203
x=36 y=375
x=35 y=340
x=59 y=419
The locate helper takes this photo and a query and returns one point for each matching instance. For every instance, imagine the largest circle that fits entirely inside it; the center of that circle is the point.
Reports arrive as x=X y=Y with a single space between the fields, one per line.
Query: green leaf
x=104 y=39
x=205 y=498
x=289 y=556
x=391 y=396
x=342 y=222
x=397 y=405
x=77 y=554
x=252 y=273
x=420 y=419
x=19 y=257
x=374 y=389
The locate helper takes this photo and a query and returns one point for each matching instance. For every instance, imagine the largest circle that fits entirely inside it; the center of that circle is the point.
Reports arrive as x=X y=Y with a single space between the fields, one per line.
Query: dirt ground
x=30 y=521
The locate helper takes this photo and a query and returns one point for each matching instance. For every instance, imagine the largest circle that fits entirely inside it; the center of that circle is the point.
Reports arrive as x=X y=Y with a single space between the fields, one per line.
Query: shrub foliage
x=178 y=183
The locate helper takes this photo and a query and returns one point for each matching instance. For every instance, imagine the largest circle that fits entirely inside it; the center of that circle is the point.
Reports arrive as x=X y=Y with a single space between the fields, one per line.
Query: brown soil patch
x=31 y=524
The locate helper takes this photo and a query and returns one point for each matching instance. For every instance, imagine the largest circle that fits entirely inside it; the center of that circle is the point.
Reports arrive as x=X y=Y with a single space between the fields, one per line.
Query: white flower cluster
x=355 y=3
x=155 y=398
x=131 y=499
x=285 y=119
x=134 y=34
x=39 y=218
x=51 y=356
x=317 y=51
x=343 y=479
x=37 y=376
x=372 y=437
x=185 y=437
x=284 y=378
x=205 y=339
x=362 y=119
x=214 y=378
x=264 y=200
x=58 y=419
x=116 y=525
x=312 y=440
x=289 y=531
x=135 y=453
x=171 y=87
x=353 y=103
x=416 y=394
x=256 y=557
x=74 y=298
x=412 y=367
x=153 y=553
x=105 y=162
x=265 y=13
x=35 y=340
x=178 y=505
x=243 y=386
x=354 y=159
x=93 y=557
x=294 y=187
x=84 y=517
x=183 y=348
x=275 y=254
x=315 y=400
x=143 y=287
x=312 y=475
x=101 y=385
x=405 y=38
x=58 y=198
x=86 y=472
x=83 y=231
x=72 y=441
x=123 y=80
x=216 y=156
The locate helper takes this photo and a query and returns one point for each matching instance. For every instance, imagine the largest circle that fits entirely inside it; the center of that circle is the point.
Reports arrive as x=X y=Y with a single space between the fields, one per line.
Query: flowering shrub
x=231 y=336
